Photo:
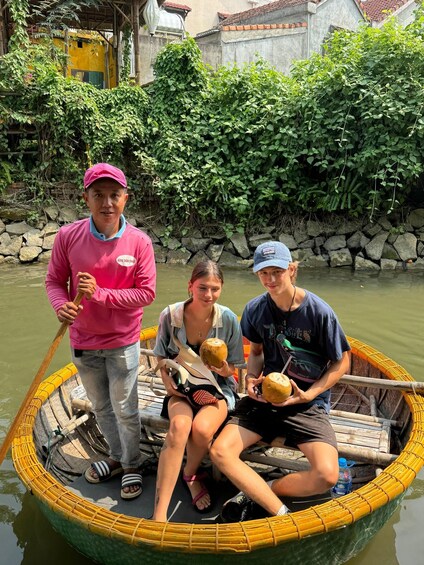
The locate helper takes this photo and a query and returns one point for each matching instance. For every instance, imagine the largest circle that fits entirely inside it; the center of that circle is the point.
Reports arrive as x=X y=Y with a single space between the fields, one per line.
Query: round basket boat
x=330 y=532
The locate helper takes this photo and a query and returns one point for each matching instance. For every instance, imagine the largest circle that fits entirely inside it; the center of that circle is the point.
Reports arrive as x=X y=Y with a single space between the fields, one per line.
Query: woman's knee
x=202 y=433
x=179 y=430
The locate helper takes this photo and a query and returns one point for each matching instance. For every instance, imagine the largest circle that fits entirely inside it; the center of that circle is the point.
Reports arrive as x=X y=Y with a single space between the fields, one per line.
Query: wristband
x=251 y=375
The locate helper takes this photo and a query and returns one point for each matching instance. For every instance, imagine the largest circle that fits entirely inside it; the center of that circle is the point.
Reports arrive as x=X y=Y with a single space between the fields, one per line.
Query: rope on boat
x=50 y=448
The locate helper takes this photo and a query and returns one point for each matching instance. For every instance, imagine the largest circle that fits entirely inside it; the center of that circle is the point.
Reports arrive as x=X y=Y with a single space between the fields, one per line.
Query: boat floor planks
x=107 y=496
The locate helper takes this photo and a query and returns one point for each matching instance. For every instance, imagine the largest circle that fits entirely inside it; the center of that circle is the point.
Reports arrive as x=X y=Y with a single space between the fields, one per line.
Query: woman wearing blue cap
x=291 y=330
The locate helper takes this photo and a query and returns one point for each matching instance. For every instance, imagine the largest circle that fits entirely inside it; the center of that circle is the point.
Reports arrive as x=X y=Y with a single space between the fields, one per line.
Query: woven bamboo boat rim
x=223 y=538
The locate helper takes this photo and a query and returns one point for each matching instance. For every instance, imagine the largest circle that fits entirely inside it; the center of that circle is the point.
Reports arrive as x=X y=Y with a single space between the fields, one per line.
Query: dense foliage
x=345 y=132
x=75 y=123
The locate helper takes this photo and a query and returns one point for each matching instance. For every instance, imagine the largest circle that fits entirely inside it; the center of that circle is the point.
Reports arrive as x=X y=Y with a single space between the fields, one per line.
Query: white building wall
x=278 y=47
x=211 y=48
x=281 y=47
x=339 y=13
x=149 y=48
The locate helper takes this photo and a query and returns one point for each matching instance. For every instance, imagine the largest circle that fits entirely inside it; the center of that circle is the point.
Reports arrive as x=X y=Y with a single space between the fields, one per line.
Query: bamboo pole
x=34 y=385
x=356 y=380
x=405 y=386
x=358 y=454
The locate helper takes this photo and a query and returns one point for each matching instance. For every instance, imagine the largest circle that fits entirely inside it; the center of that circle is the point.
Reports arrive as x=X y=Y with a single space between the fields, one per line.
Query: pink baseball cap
x=104 y=171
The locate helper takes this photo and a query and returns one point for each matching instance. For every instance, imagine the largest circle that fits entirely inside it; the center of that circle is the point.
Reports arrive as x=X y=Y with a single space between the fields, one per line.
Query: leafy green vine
x=19 y=10
x=126 y=54
x=344 y=133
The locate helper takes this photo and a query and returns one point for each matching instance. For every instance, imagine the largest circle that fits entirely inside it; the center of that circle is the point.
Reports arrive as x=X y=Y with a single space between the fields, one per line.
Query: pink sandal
x=198 y=478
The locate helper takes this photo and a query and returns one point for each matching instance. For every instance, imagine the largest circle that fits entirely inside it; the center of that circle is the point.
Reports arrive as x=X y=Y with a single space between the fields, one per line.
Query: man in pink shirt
x=113 y=264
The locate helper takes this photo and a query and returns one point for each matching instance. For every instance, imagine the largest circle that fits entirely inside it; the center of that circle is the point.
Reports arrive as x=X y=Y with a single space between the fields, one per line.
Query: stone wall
x=379 y=245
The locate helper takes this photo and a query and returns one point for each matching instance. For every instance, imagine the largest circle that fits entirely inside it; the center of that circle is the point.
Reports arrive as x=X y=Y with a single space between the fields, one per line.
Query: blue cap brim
x=271 y=263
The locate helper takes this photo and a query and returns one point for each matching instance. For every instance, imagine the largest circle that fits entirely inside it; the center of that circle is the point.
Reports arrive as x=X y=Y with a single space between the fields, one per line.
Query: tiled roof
x=376 y=10
x=263 y=26
x=264 y=9
x=177 y=6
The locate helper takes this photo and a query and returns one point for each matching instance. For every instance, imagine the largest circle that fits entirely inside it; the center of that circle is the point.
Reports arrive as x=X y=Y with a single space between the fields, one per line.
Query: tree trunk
x=136 y=39
x=3 y=29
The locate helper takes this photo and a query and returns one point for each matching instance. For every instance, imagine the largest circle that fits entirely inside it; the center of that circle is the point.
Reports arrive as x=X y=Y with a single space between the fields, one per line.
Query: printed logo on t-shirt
x=302 y=364
x=126 y=260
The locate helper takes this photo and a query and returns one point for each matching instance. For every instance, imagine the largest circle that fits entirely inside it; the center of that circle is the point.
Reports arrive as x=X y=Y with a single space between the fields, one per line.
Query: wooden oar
x=37 y=379
x=407 y=386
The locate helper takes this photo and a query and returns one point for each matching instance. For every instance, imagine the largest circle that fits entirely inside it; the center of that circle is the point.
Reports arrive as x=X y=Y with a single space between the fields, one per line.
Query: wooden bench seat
x=360 y=438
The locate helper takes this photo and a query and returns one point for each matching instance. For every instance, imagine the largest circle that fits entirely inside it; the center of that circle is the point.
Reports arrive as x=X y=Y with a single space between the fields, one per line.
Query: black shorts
x=164 y=412
x=298 y=423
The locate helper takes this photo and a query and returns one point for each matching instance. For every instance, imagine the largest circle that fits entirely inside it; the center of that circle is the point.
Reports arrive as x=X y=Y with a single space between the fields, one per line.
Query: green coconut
x=213 y=352
x=276 y=388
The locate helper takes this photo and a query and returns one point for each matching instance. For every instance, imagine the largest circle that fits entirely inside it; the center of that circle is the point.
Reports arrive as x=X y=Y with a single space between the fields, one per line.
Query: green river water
x=384 y=310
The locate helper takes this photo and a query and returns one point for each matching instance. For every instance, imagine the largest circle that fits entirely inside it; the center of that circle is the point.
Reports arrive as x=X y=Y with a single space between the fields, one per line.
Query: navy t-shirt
x=304 y=341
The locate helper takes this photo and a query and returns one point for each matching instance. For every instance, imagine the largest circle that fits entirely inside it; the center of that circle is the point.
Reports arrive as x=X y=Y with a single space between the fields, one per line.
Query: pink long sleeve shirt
x=125 y=272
